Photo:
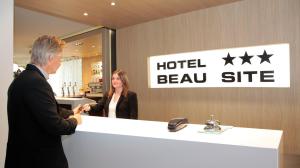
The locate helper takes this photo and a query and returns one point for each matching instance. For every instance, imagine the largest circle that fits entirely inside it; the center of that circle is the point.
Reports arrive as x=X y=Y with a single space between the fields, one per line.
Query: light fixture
x=112 y=3
x=85 y=14
x=79 y=43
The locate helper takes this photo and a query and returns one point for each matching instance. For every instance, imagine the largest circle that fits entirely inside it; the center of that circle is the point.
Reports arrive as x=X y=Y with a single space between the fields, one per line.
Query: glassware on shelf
x=63 y=89
x=69 y=89
x=75 y=89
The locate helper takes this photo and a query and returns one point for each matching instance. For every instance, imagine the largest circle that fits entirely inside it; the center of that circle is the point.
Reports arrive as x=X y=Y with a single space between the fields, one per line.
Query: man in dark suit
x=36 y=123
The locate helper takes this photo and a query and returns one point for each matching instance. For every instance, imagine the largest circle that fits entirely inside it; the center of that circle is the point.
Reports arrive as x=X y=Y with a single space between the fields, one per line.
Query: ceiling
x=89 y=46
x=28 y=25
x=124 y=13
x=61 y=18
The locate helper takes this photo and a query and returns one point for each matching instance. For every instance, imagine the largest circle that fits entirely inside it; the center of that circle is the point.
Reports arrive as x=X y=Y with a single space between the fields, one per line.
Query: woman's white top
x=112 y=107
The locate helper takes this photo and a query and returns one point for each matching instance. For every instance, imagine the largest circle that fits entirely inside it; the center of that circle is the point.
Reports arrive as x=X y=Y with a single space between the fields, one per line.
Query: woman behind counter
x=119 y=102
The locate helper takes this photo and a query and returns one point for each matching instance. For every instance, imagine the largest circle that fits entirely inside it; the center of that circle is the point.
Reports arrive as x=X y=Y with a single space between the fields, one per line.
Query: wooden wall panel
x=245 y=23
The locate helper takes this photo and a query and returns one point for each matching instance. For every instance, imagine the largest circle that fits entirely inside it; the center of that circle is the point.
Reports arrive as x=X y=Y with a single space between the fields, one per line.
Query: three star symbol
x=246 y=58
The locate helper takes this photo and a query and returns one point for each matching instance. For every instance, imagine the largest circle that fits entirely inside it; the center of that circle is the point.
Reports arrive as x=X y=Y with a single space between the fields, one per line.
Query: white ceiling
x=28 y=25
x=124 y=13
x=64 y=17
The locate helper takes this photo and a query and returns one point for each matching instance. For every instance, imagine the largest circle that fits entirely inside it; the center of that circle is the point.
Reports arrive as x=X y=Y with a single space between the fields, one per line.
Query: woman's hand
x=86 y=107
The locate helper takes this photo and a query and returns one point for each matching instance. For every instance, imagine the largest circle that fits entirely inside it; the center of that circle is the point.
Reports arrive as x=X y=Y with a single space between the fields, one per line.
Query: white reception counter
x=114 y=143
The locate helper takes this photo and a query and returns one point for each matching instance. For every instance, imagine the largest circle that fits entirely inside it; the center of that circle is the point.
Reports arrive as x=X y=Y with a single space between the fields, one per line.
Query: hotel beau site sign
x=257 y=66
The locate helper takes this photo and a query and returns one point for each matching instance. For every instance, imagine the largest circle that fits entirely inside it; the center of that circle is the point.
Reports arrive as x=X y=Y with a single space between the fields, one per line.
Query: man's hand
x=78 y=109
x=77 y=116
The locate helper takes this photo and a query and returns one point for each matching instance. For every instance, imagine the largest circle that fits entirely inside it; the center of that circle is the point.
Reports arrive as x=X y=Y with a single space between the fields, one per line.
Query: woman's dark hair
x=124 y=79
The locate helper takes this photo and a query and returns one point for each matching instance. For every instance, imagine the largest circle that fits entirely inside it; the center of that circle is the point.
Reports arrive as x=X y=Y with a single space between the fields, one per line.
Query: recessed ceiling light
x=112 y=3
x=78 y=43
x=85 y=14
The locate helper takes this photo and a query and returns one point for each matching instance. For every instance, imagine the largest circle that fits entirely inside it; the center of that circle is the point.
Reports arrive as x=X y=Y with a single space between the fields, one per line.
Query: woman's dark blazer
x=35 y=123
x=127 y=107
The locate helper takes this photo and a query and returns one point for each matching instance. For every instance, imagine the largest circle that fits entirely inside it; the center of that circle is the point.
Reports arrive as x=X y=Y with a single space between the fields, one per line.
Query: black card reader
x=177 y=124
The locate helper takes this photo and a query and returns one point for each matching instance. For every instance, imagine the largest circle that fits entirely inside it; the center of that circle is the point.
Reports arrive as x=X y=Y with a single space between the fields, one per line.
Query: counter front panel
x=113 y=143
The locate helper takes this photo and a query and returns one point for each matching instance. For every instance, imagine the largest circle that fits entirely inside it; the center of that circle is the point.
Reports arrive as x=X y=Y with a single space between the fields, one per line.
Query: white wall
x=6 y=74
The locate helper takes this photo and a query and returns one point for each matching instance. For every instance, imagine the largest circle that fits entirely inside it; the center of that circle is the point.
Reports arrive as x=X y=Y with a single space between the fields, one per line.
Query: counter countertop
x=261 y=138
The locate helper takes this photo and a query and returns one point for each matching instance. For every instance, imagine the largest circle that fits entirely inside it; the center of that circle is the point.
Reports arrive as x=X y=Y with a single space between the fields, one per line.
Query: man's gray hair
x=45 y=48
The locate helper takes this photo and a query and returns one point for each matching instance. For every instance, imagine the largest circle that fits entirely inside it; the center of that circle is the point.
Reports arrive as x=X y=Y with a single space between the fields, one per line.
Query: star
x=228 y=59
x=246 y=58
x=265 y=57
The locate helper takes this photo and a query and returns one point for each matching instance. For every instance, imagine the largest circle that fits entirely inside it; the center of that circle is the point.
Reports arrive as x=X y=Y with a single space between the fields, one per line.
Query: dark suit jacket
x=35 y=123
x=127 y=107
